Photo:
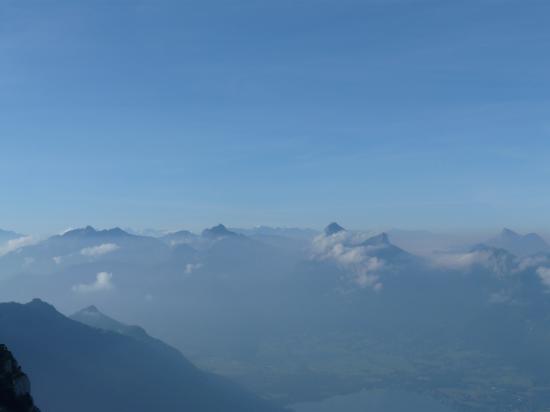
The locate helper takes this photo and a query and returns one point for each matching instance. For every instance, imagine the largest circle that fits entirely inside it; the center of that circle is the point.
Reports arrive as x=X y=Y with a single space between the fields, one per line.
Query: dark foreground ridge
x=15 y=391
x=111 y=371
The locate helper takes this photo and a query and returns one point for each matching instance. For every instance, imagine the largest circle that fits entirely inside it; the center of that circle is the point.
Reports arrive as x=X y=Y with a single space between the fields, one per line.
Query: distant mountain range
x=519 y=245
x=84 y=245
x=111 y=367
x=274 y=312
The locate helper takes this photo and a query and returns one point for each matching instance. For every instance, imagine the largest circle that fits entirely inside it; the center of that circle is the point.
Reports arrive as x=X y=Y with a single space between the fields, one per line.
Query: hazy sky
x=184 y=114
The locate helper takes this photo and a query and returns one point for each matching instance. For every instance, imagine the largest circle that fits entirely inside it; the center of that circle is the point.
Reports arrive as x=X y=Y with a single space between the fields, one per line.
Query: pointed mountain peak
x=91 y=316
x=381 y=239
x=90 y=312
x=90 y=309
x=333 y=228
x=218 y=231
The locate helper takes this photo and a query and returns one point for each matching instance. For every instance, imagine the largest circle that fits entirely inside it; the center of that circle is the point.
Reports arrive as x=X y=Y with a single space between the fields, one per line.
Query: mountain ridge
x=109 y=371
x=517 y=244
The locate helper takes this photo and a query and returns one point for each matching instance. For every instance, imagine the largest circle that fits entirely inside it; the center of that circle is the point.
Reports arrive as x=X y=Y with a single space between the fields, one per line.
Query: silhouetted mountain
x=218 y=232
x=333 y=228
x=77 y=367
x=519 y=245
x=15 y=387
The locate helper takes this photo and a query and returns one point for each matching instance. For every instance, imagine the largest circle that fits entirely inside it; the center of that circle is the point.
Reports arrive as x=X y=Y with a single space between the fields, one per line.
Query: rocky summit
x=15 y=387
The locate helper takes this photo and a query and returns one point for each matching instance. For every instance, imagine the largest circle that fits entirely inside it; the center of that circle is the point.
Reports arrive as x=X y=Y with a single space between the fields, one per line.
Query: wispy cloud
x=544 y=275
x=103 y=282
x=99 y=250
x=192 y=267
x=461 y=261
x=14 y=244
x=532 y=262
x=347 y=249
x=498 y=263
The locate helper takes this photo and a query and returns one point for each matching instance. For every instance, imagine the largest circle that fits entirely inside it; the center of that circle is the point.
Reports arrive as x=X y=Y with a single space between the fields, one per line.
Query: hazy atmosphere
x=274 y=206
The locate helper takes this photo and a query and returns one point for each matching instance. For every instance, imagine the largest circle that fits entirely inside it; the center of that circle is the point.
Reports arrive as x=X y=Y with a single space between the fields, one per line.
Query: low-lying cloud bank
x=486 y=258
x=497 y=261
x=15 y=244
x=99 y=250
x=347 y=250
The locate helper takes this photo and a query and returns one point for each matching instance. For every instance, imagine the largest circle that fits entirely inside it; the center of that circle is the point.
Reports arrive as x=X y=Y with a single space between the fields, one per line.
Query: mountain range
x=114 y=369
x=297 y=317
x=519 y=245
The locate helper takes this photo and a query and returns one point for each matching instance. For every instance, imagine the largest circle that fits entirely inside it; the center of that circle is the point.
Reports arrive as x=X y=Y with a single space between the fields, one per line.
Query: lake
x=379 y=400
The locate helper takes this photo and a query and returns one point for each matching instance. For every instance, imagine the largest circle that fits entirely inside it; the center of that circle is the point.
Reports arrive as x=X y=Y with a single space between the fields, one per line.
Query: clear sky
x=182 y=114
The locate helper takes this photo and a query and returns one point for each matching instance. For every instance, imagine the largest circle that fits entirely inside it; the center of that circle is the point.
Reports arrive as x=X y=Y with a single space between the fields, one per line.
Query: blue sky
x=376 y=113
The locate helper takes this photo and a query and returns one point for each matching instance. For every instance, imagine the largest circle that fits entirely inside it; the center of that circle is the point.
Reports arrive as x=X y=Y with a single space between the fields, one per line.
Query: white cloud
x=499 y=264
x=99 y=250
x=14 y=244
x=532 y=261
x=347 y=249
x=57 y=259
x=460 y=261
x=191 y=267
x=544 y=275
x=103 y=282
